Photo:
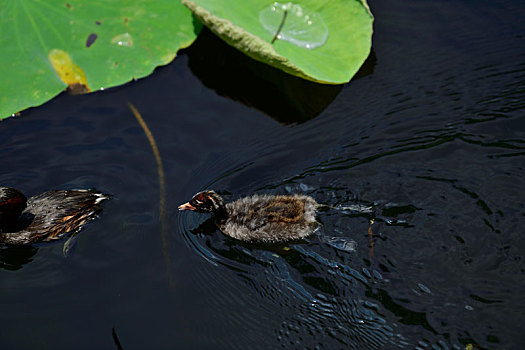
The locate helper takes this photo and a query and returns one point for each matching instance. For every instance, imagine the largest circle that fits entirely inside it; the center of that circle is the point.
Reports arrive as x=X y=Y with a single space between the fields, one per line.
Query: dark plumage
x=259 y=218
x=45 y=217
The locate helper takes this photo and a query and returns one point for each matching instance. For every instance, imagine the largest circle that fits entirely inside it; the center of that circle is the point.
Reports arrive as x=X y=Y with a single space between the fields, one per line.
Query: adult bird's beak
x=187 y=206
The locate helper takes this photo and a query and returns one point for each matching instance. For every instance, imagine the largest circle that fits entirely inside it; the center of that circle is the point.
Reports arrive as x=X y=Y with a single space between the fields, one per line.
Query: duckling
x=45 y=217
x=259 y=218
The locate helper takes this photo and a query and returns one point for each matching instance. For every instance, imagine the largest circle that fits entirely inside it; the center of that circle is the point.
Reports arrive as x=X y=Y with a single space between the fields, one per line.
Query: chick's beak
x=187 y=206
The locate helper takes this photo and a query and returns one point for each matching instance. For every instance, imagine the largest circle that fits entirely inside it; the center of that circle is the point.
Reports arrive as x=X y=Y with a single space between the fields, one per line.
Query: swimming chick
x=259 y=218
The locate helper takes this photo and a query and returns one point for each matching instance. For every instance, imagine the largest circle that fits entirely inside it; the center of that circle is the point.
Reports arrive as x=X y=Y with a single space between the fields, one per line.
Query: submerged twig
x=280 y=26
x=115 y=339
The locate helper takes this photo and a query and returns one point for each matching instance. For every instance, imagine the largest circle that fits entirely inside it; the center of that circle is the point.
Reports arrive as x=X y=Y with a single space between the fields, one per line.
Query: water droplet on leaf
x=302 y=27
x=124 y=39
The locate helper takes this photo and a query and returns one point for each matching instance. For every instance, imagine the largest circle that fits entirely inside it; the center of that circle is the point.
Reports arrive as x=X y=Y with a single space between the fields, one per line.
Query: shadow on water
x=14 y=258
x=285 y=98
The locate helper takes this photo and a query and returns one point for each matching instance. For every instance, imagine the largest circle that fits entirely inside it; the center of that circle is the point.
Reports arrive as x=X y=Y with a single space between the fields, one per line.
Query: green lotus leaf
x=324 y=41
x=84 y=44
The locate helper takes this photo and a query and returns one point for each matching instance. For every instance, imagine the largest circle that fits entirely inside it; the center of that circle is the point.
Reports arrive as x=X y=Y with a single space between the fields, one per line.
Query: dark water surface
x=428 y=142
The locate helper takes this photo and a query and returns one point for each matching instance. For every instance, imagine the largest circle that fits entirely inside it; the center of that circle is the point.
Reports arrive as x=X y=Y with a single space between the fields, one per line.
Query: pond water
x=428 y=143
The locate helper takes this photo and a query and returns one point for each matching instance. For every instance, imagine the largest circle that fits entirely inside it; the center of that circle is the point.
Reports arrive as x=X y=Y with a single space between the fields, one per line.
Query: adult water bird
x=45 y=217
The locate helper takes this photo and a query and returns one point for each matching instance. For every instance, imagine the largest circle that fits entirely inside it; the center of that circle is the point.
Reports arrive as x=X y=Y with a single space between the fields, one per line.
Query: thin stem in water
x=162 y=190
